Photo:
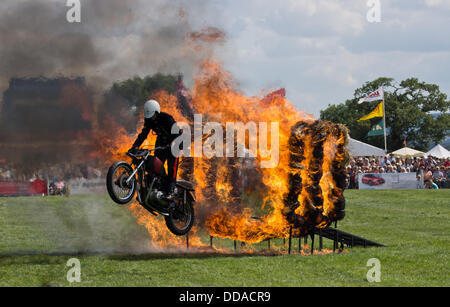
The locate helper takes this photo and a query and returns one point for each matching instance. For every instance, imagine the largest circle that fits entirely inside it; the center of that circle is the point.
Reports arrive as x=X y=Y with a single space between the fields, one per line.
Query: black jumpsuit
x=162 y=127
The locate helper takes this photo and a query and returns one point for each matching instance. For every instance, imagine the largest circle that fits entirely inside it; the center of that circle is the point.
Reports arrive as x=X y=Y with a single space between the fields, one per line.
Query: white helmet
x=150 y=107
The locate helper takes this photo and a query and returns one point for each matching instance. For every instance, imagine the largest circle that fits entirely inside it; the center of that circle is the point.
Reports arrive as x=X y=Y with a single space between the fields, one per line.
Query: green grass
x=39 y=235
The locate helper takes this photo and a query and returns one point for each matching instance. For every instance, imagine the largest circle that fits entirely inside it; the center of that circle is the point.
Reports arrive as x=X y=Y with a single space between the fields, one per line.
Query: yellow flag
x=378 y=112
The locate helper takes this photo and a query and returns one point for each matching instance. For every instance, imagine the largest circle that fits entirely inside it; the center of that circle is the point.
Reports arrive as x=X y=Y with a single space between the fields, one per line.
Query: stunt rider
x=161 y=123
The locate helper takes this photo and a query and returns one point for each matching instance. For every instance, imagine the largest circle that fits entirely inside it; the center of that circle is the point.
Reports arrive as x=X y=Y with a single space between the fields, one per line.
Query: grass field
x=39 y=235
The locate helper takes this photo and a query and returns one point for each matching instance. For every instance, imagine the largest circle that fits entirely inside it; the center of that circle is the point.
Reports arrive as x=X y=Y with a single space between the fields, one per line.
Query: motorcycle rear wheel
x=119 y=191
x=181 y=219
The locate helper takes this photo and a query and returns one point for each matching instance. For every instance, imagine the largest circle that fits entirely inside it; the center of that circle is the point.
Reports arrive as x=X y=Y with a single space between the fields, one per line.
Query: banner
x=16 y=188
x=377 y=95
x=377 y=129
x=378 y=112
x=389 y=181
x=87 y=186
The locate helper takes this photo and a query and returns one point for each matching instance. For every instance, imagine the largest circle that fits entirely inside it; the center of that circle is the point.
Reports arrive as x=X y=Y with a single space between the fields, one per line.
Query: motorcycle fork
x=137 y=169
x=141 y=183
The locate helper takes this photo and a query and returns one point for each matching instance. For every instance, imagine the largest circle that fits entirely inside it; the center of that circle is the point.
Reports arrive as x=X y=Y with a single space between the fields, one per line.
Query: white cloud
x=322 y=50
x=438 y=3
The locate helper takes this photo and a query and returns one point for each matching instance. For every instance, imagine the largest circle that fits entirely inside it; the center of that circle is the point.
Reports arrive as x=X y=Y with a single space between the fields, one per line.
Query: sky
x=322 y=50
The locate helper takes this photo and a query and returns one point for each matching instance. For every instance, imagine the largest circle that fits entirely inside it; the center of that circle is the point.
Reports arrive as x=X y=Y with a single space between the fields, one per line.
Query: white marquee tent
x=358 y=148
x=438 y=151
x=406 y=151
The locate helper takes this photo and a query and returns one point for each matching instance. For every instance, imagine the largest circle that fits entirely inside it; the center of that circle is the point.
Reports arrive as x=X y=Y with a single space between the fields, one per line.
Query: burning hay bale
x=316 y=181
x=317 y=174
x=304 y=189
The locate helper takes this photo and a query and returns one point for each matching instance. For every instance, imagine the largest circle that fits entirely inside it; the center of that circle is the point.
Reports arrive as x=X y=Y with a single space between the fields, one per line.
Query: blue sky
x=322 y=50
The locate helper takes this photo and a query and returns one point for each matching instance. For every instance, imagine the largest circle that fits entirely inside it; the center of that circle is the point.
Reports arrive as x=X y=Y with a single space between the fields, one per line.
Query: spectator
x=423 y=167
x=427 y=175
x=60 y=187
x=439 y=178
x=429 y=184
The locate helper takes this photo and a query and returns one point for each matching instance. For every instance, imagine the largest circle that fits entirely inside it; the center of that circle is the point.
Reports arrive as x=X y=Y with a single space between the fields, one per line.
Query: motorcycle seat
x=185 y=184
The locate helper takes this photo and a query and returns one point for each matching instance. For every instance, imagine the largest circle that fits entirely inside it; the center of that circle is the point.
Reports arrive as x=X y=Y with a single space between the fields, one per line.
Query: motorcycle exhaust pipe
x=156 y=197
x=159 y=198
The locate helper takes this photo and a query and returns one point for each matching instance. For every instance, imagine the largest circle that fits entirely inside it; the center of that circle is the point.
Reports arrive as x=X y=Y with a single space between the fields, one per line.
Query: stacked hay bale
x=317 y=178
x=339 y=164
x=296 y=159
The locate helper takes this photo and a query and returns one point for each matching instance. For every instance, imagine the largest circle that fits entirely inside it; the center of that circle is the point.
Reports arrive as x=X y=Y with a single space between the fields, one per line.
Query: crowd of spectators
x=435 y=171
x=57 y=175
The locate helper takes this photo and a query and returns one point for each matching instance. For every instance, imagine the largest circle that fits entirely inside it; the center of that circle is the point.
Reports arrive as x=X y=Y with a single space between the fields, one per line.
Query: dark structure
x=44 y=107
x=42 y=118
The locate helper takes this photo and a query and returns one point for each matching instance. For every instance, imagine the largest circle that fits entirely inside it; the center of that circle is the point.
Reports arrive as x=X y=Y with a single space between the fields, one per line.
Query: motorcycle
x=146 y=177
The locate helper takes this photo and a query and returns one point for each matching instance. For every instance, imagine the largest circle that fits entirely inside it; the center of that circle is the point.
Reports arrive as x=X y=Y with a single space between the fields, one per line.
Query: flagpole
x=384 y=123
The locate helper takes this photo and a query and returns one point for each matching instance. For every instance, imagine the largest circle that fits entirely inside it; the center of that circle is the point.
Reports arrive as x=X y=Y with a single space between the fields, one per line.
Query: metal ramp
x=339 y=238
x=344 y=238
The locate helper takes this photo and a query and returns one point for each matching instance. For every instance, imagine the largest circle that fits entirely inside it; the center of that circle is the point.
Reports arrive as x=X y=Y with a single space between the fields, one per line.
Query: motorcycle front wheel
x=119 y=190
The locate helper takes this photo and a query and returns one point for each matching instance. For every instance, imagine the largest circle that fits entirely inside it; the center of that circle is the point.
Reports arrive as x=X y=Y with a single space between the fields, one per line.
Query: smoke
x=210 y=34
x=114 y=41
x=79 y=225
x=36 y=41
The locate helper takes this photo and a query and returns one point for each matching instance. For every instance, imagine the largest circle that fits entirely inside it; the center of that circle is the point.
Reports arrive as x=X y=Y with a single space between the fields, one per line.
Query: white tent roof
x=439 y=151
x=406 y=151
x=358 y=148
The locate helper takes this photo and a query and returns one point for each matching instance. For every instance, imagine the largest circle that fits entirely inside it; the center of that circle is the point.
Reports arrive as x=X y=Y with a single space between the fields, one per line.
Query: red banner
x=15 y=188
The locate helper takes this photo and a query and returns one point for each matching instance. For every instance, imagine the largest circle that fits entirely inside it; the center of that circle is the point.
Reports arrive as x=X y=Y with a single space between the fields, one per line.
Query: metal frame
x=338 y=237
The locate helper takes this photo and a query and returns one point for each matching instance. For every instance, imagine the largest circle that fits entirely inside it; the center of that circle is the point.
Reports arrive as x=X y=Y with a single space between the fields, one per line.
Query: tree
x=125 y=99
x=415 y=111
x=137 y=90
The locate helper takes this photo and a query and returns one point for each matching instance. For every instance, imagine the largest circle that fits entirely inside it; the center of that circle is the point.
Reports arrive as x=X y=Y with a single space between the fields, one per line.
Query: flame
x=220 y=210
